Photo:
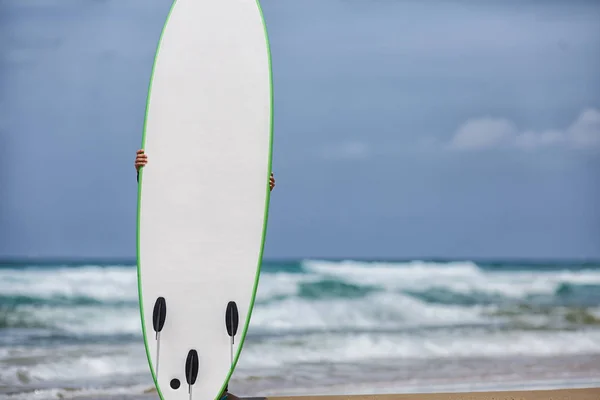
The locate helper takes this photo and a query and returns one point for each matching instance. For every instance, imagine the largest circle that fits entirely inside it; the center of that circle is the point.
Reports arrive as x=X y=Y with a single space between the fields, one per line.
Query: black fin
x=232 y=318
x=159 y=315
x=191 y=367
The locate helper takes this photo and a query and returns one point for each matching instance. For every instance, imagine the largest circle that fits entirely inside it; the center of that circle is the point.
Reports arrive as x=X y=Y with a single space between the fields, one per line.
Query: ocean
x=319 y=327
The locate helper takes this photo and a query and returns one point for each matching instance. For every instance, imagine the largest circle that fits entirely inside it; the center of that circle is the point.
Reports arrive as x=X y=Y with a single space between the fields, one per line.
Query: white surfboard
x=203 y=196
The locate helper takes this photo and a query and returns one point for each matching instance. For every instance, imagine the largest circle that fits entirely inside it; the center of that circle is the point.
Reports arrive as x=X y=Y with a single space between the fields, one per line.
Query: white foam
x=114 y=284
x=460 y=277
x=100 y=283
x=273 y=285
x=82 y=320
x=378 y=310
x=279 y=306
x=70 y=363
x=341 y=348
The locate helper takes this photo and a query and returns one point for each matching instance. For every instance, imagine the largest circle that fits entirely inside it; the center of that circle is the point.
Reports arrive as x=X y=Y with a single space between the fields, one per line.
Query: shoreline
x=591 y=393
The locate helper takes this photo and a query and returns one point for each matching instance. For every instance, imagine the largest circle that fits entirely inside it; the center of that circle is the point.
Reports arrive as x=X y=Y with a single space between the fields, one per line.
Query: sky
x=410 y=129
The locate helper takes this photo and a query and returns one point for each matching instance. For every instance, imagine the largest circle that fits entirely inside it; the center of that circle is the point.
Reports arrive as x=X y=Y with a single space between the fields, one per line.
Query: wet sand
x=556 y=394
x=562 y=394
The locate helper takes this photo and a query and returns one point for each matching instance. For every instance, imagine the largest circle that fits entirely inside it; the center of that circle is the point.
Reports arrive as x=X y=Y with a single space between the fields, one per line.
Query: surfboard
x=203 y=196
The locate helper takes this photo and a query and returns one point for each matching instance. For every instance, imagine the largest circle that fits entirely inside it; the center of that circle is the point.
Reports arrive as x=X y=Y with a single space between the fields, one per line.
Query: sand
x=555 y=394
x=562 y=394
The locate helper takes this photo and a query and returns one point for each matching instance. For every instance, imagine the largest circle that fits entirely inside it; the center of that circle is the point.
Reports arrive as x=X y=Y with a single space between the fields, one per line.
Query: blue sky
x=402 y=129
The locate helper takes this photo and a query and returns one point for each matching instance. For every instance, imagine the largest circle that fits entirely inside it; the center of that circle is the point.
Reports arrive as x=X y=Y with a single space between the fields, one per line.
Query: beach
x=559 y=394
x=321 y=328
x=581 y=394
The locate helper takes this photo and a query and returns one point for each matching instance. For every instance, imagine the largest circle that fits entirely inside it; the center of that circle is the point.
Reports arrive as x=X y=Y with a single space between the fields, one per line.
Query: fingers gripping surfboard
x=203 y=196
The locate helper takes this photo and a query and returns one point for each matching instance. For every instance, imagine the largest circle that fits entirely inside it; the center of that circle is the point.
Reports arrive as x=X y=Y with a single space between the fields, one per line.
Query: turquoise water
x=73 y=329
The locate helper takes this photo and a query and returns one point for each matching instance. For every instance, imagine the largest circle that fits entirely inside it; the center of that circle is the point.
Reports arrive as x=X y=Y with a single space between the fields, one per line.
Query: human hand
x=272 y=181
x=141 y=159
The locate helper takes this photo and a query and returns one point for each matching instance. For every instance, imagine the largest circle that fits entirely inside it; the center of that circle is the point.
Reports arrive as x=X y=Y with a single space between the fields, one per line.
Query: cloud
x=488 y=132
x=532 y=139
x=350 y=150
x=483 y=133
x=585 y=131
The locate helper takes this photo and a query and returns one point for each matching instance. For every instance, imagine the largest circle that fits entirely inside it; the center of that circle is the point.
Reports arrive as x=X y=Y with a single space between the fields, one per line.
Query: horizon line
x=105 y=261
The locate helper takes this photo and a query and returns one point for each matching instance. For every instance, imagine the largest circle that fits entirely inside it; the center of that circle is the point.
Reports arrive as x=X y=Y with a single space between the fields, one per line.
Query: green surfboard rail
x=242 y=337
